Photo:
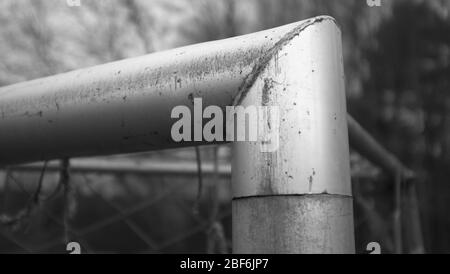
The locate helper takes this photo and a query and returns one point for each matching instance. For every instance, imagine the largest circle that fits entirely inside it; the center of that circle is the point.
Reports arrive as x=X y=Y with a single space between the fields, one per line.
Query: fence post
x=296 y=199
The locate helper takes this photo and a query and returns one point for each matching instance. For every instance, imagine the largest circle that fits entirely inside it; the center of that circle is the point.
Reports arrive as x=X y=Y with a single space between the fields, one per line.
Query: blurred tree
x=142 y=22
x=211 y=20
x=406 y=102
x=45 y=37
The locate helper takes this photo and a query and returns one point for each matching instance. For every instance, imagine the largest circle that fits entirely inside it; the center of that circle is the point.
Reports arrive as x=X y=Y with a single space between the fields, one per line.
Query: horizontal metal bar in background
x=147 y=167
x=131 y=167
x=366 y=145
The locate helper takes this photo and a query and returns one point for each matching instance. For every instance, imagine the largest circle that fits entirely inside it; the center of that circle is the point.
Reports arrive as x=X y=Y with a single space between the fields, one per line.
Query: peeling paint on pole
x=308 y=178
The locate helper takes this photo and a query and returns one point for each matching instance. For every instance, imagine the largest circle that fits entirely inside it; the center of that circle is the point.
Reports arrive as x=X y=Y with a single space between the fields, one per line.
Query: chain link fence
x=159 y=202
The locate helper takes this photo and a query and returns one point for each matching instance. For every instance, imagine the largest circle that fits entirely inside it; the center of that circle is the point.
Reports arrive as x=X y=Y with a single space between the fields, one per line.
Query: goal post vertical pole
x=295 y=196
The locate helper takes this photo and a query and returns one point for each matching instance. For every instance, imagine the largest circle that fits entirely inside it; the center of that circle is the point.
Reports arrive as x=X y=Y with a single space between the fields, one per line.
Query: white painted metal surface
x=307 y=82
x=297 y=199
x=124 y=106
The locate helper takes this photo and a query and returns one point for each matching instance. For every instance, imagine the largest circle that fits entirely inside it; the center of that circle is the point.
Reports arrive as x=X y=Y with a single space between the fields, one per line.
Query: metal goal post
x=296 y=199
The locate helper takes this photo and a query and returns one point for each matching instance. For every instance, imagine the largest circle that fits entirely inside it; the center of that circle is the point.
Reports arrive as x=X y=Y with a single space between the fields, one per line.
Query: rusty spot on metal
x=310 y=184
x=268 y=85
x=191 y=98
x=268 y=174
